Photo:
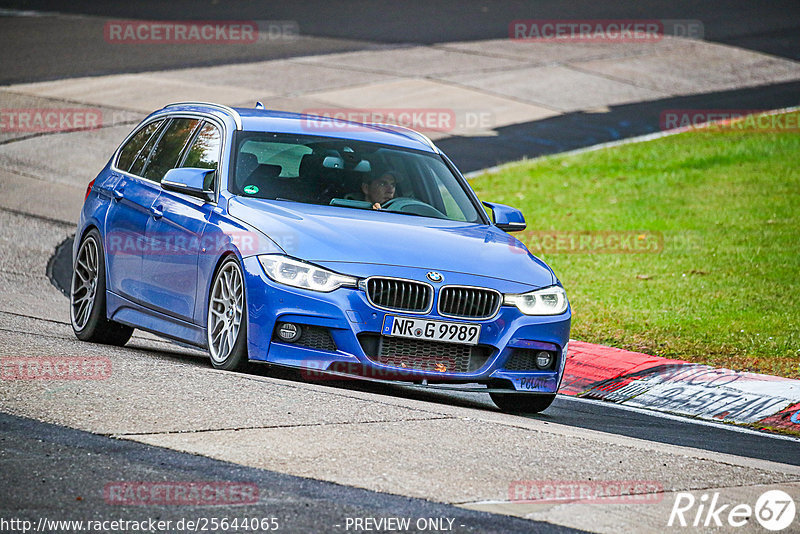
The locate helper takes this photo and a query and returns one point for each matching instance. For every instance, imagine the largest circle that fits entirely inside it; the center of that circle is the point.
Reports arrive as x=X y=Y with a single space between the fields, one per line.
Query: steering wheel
x=413 y=206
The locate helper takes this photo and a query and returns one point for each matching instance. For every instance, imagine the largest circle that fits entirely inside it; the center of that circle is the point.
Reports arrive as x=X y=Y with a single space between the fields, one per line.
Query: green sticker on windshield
x=251 y=189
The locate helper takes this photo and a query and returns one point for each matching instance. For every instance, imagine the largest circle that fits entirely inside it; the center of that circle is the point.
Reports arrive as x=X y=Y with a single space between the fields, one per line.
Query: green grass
x=725 y=289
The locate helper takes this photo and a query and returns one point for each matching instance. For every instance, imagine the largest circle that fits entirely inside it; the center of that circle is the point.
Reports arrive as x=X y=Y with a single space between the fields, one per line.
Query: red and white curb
x=679 y=387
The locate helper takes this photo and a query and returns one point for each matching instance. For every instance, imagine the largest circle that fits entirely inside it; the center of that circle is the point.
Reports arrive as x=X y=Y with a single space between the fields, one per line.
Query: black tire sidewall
x=521 y=403
x=97 y=316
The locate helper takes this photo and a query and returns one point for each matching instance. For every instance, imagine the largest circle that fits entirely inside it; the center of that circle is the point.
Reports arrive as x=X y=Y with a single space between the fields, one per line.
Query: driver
x=379 y=190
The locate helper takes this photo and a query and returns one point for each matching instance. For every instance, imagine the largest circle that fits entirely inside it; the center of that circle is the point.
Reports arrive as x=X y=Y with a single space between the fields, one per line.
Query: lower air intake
x=423 y=355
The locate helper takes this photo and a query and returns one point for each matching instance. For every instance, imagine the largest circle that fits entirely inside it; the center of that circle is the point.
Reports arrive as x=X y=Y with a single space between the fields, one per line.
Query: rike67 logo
x=774 y=510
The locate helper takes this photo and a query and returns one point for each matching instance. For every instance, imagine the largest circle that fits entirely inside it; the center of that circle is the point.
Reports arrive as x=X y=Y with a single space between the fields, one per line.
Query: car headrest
x=246 y=163
x=264 y=172
x=310 y=166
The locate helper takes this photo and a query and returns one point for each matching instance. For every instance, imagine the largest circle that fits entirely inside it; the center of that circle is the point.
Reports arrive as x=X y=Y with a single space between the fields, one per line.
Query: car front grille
x=399 y=295
x=468 y=302
x=423 y=355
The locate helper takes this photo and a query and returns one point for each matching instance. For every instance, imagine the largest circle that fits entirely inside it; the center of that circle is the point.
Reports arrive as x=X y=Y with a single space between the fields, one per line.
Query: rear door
x=127 y=217
x=175 y=231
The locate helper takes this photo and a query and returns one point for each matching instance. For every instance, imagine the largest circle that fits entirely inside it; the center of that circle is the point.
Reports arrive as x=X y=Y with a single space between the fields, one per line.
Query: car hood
x=346 y=235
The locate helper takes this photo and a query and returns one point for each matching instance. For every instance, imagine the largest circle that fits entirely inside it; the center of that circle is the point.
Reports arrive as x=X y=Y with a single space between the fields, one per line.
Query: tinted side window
x=166 y=153
x=204 y=152
x=135 y=144
x=144 y=153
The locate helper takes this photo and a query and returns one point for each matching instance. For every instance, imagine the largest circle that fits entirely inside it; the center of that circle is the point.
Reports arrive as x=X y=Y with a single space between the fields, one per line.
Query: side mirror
x=188 y=180
x=506 y=218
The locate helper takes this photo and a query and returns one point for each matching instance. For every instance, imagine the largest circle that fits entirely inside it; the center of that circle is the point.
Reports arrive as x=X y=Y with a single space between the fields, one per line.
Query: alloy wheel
x=84 y=284
x=225 y=312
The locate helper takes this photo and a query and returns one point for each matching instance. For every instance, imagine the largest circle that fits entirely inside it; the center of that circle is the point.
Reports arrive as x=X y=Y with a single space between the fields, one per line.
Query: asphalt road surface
x=53 y=47
x=59 y=474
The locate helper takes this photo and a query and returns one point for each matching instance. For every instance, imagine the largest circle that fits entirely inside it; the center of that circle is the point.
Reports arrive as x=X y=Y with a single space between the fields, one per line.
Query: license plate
x=463 y=333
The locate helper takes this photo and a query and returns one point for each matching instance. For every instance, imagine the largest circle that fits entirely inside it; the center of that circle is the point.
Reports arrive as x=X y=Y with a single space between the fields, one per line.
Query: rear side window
x=135 y=145
x=204 y=152
x=169 y=148
x=144 y=153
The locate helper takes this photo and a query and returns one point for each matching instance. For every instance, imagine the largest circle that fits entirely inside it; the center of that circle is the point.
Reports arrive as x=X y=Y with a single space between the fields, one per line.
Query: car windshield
x=348 y=173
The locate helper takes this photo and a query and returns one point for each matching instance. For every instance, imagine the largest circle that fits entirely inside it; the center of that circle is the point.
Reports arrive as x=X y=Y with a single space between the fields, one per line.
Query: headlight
x=285 y=270
x=548 y=301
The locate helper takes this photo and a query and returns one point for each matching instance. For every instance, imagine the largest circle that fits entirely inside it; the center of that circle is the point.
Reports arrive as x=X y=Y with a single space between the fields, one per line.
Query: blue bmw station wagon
x=345 y=249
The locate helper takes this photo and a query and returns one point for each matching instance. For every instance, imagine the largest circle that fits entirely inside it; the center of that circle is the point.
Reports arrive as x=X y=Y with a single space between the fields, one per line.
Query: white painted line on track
x=6 y=12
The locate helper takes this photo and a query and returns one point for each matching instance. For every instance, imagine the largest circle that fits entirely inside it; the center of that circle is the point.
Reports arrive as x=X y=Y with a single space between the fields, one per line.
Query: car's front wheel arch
x=210 y=285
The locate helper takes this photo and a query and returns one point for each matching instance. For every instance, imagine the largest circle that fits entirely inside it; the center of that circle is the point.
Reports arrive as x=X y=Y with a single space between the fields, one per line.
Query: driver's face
x=380 y=190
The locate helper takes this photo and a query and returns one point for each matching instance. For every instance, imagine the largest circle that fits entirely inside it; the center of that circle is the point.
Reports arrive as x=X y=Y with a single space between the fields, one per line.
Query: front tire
x=522 y=403
x=87 y=296
x=226 y=330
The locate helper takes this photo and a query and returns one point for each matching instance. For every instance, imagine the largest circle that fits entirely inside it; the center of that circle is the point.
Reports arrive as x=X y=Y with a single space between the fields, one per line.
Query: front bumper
x=350 y=319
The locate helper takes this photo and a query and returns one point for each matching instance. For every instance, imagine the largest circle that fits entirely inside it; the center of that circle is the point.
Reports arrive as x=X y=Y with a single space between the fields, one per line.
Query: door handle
x=156 y=211
x=119 y=192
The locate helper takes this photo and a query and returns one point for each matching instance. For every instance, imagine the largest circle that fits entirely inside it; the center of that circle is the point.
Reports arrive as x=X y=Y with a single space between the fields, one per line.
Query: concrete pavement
x=510 y=81
x=73 y=44
x=67 y=479
x=486 y=86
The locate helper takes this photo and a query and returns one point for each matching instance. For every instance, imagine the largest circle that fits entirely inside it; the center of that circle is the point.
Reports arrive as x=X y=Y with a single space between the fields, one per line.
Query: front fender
x=222 y=237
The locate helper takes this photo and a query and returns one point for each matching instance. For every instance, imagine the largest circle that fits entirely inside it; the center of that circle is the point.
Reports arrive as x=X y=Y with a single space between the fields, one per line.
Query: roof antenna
x=259 y=105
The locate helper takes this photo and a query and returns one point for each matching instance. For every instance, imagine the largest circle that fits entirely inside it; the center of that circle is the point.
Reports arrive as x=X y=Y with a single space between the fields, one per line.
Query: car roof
x=263 y=120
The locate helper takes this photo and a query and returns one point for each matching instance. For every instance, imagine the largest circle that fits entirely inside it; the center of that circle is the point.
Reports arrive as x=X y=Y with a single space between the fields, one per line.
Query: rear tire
x=226 y=323
x=88 y=296
x=522 y=403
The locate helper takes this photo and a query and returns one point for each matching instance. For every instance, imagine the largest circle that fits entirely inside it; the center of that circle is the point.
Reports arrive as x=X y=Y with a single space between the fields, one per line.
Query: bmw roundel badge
x=433 y=276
